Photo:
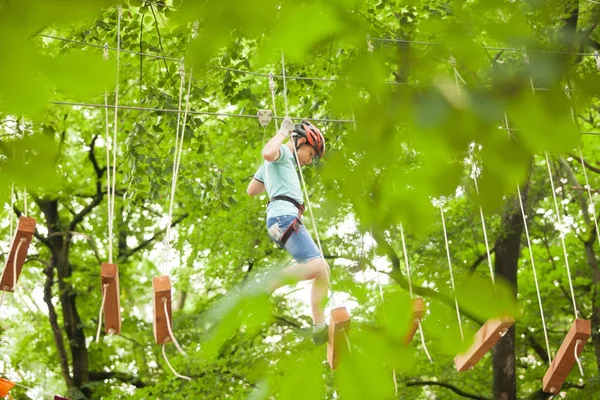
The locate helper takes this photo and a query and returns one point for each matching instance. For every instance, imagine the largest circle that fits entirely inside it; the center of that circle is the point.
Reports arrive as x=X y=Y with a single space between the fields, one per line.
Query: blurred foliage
x=459 y=74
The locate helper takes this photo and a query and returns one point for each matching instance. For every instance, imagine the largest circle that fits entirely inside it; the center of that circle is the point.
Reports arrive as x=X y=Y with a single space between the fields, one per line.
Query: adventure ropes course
x=339 y=327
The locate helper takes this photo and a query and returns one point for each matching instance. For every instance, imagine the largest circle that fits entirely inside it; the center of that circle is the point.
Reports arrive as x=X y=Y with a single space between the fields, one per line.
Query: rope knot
x=105 y=52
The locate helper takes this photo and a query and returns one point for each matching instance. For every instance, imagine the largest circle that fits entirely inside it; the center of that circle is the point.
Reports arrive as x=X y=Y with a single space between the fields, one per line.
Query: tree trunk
x=508 y=249
x=60 y=244
x=593 y=263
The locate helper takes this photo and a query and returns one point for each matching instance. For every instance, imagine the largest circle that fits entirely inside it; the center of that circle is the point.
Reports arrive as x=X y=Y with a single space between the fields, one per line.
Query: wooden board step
x=21 y=241
x=161 y=291
x=339 y=327
x=112 y=303
x=485 y=338
x=563 y=363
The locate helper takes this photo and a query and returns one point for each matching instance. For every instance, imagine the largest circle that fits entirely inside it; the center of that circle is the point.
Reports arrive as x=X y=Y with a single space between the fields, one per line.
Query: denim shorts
x=300 y=245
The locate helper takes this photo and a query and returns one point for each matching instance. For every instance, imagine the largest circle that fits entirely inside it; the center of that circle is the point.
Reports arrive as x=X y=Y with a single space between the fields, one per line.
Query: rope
x=171 y=336
x=25 y=212
x=509 y=49
x=587 y=185
x=16 y=256
x=171 y=367
x=115 y=128
x=101 y=310
x=108 y=181
x=287 y=110
x=535 y=279
x=531 y=257
x=485 y=235
x=562 y=239
x=587 y=182
x=272 y=88
x=577 y=343
x=167 y=237
x=304 y=189
x=2 y=298
x=32 y=388
x=474 y=176
x=408 y=275
x=462 y=335
x=179 y=136
x=12 y=206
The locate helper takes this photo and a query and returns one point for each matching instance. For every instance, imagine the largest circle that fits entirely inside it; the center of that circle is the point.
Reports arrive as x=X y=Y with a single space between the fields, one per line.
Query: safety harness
x=294 y=226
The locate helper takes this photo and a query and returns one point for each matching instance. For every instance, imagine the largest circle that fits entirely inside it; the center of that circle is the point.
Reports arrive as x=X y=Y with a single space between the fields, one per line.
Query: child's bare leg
x=316 y=270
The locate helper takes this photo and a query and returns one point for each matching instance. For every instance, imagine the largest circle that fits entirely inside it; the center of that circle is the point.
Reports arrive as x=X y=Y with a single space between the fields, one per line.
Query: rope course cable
x=441 y=206
x=247 y=72
x=111 y=170
x=532 y=260
x=408 y=275
x=496 y=48
x=562 y=239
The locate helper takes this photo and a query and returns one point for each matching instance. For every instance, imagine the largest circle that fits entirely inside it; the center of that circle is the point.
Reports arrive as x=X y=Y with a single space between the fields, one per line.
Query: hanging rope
x=272 y=89
x=587 y=182
x=115 y=128
x=304 y=189
x=179 y=137
x=25 y=208
x=577 y=343
x=171 y=367
x=171 y=335
x=562 y=239
x=16 y=256
x=111 y=175
x=101 y=310
x=462 y=335
x=12 y=206
x=408 y=275
x=108 y=183
x=532 y=259
x=32 y=388
x=474 y=173
x=535 y=279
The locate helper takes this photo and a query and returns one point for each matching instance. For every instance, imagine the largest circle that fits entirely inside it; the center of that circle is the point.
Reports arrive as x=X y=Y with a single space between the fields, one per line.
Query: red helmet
x=313 y=136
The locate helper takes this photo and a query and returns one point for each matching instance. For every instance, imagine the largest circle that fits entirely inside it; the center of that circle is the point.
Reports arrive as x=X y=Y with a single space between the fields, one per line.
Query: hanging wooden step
x=20 y=242
x=161 y=286
x=60 y=398
x=485 y=338
x=563 y=363
x=112 y=303
x=5 y=386
x=418 y=312
x=339 y=327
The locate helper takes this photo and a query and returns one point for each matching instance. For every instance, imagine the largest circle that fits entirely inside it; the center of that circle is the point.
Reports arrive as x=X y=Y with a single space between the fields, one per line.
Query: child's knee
x=321 y=269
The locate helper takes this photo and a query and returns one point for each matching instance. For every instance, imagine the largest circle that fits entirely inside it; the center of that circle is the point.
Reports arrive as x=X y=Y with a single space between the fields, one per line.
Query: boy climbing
x=279 y=178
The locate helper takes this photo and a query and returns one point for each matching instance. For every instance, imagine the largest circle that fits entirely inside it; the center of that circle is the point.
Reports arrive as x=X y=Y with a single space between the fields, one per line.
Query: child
x=279 y=177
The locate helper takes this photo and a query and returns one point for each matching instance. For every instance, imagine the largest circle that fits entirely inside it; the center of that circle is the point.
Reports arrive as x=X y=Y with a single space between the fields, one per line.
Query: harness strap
x=294 y=226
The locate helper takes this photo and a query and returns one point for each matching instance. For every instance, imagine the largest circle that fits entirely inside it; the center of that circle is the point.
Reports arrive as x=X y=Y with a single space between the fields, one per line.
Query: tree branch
x=120 y=376
x=53 y=318
x=125 y=255
x=585 y=163
x=98 y=197
x=481 y=259
x=453 y=388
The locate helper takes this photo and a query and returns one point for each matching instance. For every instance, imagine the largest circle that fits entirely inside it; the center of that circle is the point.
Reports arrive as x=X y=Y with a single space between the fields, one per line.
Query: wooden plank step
x=563 y=363
x=418 y=312
x=339 y=327
x=161 y=291
x=21 y=241
x=112 y=303
x=485 y=338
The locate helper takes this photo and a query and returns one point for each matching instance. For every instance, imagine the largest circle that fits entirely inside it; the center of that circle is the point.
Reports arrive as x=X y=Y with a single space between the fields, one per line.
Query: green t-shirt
x=281 y=179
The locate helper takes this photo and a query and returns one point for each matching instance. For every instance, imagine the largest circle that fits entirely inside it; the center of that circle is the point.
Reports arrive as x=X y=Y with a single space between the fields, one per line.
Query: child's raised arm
x=271 y=150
